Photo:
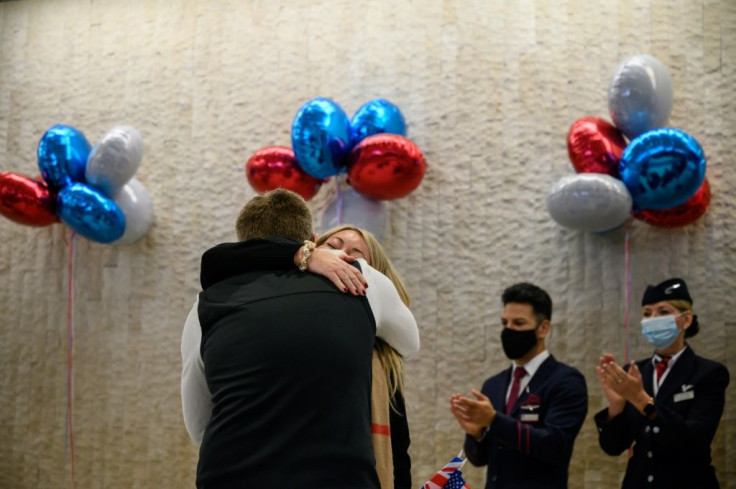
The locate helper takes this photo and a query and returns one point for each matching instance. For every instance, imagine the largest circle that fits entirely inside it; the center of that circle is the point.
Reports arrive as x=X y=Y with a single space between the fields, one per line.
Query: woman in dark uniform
x=668 y=406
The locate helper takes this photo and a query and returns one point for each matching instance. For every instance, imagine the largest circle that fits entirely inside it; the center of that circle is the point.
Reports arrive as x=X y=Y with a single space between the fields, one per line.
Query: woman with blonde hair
x=390 y=429
x=667 y=407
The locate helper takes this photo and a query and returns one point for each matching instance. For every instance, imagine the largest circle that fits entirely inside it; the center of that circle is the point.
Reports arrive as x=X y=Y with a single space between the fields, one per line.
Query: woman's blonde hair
x=683 y=305
x=391 y=361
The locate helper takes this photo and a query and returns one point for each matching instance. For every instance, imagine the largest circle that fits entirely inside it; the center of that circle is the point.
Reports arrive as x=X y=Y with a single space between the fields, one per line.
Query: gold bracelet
x=306 y=253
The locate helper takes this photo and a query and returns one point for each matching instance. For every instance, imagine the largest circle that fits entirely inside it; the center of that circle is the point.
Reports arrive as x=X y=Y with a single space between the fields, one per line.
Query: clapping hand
x=619 y=386
x=473 y=415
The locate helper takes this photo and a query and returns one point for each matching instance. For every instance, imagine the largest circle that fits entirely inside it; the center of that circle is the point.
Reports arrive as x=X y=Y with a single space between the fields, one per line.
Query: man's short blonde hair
x=276 y=212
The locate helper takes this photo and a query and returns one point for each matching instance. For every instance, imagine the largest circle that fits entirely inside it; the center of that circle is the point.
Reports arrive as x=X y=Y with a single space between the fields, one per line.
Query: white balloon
x=135 y=202
x=591 y=202
x=350 y=207
x=640 y=95
x=114 y=159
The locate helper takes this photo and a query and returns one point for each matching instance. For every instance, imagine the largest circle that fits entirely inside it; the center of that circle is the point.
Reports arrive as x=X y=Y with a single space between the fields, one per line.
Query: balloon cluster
x=659 y=176
x=380 y=162
x=90 y=189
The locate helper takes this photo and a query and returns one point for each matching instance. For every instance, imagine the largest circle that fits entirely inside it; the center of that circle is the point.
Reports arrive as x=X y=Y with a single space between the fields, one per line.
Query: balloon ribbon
x=339 y=201
x=627 y=293
x=627 y=280
x=70 y=350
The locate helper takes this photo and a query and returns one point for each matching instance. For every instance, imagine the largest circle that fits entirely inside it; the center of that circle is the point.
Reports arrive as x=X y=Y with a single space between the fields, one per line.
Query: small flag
x=449 y=476
x=456 y=481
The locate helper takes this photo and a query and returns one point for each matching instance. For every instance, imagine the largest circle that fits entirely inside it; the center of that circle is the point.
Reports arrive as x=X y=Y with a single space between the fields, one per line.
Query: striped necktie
x=661 y=365
x=519 y=372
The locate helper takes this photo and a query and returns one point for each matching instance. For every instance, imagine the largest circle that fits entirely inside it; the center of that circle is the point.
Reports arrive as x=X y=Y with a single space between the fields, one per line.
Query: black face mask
x=516 y=343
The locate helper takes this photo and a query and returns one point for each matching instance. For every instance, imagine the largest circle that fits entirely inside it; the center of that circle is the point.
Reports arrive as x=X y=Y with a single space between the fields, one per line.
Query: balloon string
x=627 y=280
x=70 y=351
x=339 y=201
x=627 y=294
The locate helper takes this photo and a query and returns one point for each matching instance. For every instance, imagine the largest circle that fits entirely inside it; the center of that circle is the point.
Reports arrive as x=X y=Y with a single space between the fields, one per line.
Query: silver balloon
x=591 y=202
x=114 y=159
x=135 y=202
x=350 y=207
x=640 y=95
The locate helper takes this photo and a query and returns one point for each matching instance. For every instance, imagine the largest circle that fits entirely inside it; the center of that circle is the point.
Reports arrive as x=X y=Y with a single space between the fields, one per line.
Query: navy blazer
x=671 y=450
x=531 y=447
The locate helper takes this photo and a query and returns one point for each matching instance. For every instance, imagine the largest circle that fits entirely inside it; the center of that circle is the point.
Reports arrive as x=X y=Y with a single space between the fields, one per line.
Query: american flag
x=449 y=476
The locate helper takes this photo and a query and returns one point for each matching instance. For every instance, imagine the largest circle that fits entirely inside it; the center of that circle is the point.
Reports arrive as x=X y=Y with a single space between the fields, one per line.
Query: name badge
x=529 y=417
x=684 y=396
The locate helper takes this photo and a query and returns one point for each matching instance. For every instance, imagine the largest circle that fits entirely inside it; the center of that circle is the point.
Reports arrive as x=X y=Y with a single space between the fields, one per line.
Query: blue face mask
x=660 y=331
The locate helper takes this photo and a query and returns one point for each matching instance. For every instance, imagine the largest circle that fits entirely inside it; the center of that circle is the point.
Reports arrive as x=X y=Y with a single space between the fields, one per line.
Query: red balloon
x=26 y=201
x=276 y=167
x=595 y=146
x=681 y=215
x=385 y=167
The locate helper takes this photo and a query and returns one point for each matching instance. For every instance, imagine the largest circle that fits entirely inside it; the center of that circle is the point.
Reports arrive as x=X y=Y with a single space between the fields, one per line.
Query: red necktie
x=519 y=372
x=661 y=366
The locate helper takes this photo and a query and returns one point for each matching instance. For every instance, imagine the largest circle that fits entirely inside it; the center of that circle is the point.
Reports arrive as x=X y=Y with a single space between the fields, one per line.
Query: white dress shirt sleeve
x=195 y=395
x=394 y=321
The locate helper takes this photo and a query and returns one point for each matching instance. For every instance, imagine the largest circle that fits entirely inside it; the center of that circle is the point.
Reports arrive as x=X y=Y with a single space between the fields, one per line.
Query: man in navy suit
x=523 y=423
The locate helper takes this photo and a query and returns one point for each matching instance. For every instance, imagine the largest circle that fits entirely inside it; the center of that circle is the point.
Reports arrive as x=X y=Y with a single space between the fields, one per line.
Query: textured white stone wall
x=489 y=89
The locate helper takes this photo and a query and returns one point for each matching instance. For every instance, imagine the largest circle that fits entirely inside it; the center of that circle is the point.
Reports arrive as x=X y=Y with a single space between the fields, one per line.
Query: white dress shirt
x=531 y=367
x=672 y=361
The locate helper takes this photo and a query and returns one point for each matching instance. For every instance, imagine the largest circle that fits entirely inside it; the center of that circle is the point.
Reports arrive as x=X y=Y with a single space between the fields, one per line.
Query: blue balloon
x=88 y=212
x=376 y=117
x=662 y=168
x=62 y=156
x=320 y=137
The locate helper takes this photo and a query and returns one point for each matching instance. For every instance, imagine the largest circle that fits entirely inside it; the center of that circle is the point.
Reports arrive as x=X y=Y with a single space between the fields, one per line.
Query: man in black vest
x=277 y=364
